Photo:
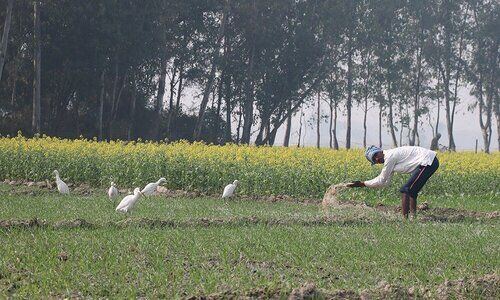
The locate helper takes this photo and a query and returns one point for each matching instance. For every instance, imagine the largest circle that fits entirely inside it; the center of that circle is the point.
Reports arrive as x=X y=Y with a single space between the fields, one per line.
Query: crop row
x=304 y=172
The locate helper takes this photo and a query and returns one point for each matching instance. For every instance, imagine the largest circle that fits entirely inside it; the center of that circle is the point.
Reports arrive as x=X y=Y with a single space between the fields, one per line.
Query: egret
x=112 y=192
x=61 y=186
x=229 y=189
x=129 y=201
x=150 y=188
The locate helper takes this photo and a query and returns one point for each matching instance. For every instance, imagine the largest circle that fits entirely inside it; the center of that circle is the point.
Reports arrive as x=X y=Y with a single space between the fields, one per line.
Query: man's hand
x=356 y=183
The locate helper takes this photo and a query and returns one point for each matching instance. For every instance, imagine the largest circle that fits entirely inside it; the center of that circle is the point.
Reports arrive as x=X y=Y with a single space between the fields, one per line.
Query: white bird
x=229 y=189
x=150 y=188
x=113 y=192
x=129 y=201
x=61 y=186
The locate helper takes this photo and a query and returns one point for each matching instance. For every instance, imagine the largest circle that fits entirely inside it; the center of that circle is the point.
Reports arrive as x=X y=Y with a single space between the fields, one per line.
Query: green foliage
x=261 y=170
x=127 y=257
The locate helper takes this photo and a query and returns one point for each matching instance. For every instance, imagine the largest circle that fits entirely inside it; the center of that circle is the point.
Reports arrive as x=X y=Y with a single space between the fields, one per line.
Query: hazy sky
x=466 y=128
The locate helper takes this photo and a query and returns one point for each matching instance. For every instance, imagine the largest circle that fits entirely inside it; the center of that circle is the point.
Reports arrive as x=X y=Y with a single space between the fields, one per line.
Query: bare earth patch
x=484 y=287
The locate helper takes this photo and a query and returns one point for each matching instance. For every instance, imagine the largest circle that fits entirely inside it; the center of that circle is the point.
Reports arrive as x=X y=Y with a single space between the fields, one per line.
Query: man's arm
x=383 y=179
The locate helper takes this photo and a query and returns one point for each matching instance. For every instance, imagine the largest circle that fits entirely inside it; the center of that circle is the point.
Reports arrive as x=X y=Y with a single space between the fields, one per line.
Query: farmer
x=418 y=161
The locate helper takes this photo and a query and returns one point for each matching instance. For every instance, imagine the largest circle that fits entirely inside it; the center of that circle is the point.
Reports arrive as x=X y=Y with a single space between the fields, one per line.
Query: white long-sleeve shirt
x=401 y=160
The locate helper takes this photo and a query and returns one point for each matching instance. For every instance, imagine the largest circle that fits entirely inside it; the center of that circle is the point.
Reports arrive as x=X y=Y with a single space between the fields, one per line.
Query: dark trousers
x=418 y=178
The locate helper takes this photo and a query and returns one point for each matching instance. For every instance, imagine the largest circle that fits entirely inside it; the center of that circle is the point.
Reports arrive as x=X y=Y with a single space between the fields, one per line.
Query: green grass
x=477 y=202
x=133 y=260
x=190 y=261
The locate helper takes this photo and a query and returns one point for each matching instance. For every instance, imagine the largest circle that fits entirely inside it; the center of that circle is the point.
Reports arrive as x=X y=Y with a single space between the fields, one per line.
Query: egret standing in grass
x=129 y=201
x=150 y=188
x=229 y=189
x=61 y=186
x=113 y=191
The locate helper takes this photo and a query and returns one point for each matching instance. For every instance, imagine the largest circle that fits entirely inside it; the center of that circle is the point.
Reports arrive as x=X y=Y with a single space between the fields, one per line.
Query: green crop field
x=274 y=240
x=179 y=247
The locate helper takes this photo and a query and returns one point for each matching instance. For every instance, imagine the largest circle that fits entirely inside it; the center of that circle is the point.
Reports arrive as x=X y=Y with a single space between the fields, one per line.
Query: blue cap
x=370 y=153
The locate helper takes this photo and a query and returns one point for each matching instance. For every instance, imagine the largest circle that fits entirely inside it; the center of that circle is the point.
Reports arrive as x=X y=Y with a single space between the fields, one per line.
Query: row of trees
x=121 y=69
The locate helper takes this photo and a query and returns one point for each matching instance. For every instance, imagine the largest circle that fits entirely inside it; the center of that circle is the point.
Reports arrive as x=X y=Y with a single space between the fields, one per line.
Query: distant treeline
x=120 y=69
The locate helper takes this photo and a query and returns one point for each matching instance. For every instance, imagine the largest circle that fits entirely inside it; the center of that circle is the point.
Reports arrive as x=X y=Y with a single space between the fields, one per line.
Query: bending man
x=418 y=161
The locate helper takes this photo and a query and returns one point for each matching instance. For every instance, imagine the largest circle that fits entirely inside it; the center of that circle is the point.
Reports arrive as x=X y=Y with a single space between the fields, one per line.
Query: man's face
x=379 y=157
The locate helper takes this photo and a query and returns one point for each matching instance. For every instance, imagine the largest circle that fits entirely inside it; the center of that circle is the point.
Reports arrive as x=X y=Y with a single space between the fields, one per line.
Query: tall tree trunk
x=14 y=78
x=116 y=102
x=497 y=115
x=438 y=105
x=416 y=101
x=37 y=57
x=446 y=74
x=248 y=103
x=447 y=97
x=334 y=132
x=300 y=130
x=172 y=89
x=484 y=109
x=268 y=130
x=365 y=113
x=390 y=115
x=349 y=95
x=228 y=95
x=159 y=98
x=249 y=85
x=330 y=128
x=366 y=62
x=227 y=89
x=5 y=36
x=76 y=107
x=288 y=130
x=113 y=96
x=133 y=103
x=217 y=118
x=380 y=124
x=171 y=108
x=211 y=77
x=175 y=112
x=240 y=113
x=101 y=105
x=263 y=126
x=179 y=90
x=318 y=140
x=402 y=127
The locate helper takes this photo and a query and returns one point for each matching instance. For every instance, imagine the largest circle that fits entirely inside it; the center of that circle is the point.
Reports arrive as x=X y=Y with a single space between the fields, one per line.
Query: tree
x=211 y=76
x=5 y=35
x=334 y=87
x=37 y=57
x=483 y=67
x=446 y=54
x=390 y=22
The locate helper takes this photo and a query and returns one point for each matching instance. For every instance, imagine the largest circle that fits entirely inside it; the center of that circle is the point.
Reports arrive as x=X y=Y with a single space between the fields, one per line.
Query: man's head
x=375 y=155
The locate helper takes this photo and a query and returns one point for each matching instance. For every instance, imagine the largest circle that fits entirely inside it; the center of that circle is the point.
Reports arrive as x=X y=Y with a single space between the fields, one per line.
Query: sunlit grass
x=357 y=250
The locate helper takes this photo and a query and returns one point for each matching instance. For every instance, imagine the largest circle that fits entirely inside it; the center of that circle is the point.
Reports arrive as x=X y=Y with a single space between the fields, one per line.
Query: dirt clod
x=307 y=291
x=63 y=256
x=423 y=206
x=485 y=287
x=330 y=197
